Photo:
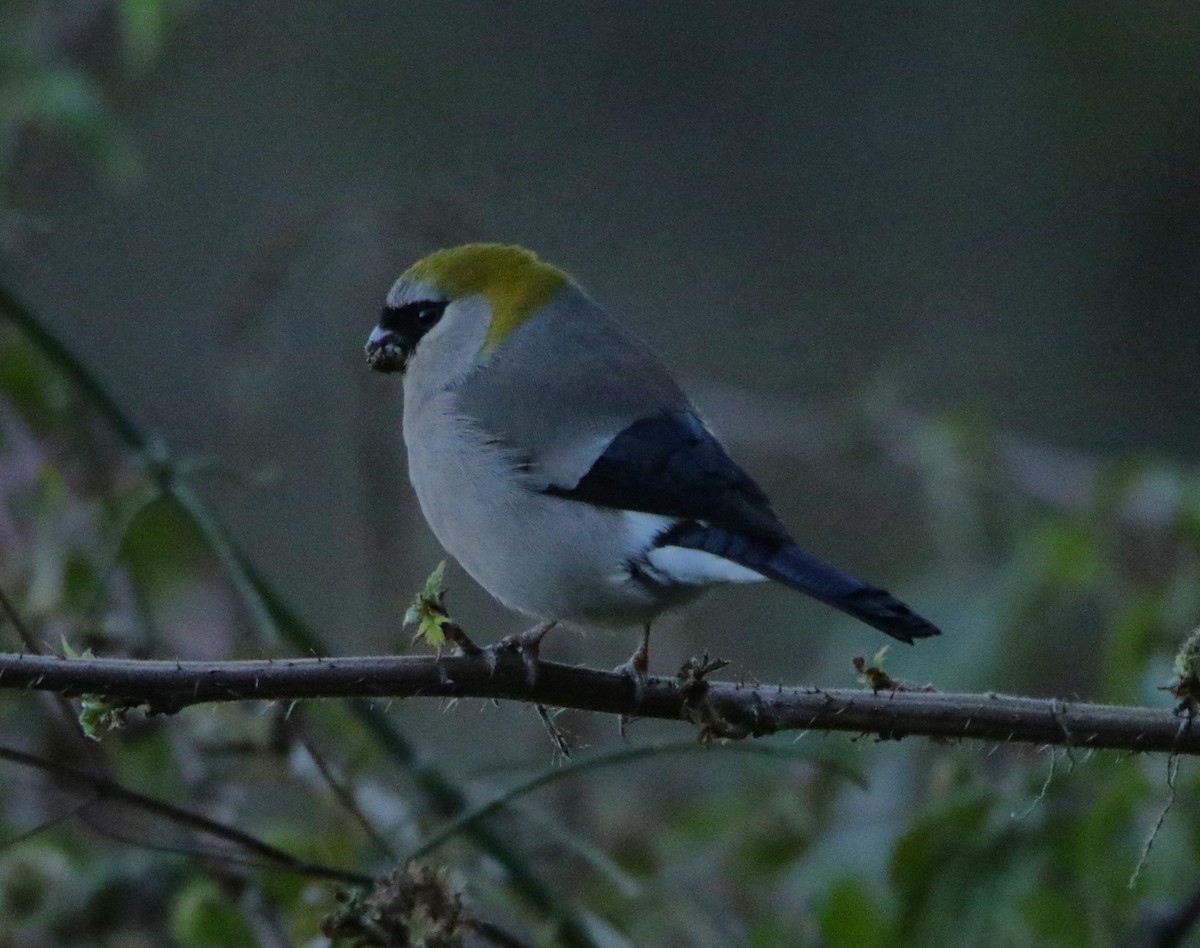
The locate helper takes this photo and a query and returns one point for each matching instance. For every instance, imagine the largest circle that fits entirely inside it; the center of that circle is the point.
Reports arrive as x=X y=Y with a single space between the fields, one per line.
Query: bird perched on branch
x=558 y=461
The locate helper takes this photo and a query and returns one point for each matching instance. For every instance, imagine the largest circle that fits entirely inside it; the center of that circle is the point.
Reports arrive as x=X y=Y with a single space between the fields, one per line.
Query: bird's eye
x=430 y=313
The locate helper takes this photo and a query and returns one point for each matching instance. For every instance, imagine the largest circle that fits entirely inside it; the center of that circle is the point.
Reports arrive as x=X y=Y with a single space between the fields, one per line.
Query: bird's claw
x=637 y=671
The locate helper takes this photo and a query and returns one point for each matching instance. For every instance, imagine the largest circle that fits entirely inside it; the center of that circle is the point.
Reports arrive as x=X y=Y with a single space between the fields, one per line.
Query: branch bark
x=722 y=709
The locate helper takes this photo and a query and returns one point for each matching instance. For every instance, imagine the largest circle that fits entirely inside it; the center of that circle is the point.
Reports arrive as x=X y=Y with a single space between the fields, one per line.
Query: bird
x=557 y=460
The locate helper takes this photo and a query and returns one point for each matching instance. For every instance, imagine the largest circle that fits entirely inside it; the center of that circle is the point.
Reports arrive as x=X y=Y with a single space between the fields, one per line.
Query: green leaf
x=99 y=713
x=68 y=103
x=1069 y=555
x=428 y=611
x=943 y=847
x=162 y=547
x=80 y=581
x=68 y=650
x=1187 y=517
x=849 y=917
x=766 y=852
x=1131 y=645
x=39 y=394
x=1055 y=919
x=143 y=24
x=1105 y=845
x=32 y=879
x=203 y=917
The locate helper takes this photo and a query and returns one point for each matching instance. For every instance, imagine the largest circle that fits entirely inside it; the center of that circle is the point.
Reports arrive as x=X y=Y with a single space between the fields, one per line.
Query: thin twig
x=496 y=935
x=343 y=793
x=104 y=788
x=623 y=756
x=57 y=352
x=49 y=824
x=27 y=639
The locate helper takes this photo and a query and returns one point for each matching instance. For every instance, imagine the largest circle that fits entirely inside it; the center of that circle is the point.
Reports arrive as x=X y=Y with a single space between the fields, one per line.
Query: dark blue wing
x=670 y=464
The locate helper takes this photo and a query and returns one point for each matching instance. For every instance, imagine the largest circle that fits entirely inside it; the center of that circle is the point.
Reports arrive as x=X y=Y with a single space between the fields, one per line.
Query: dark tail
x=876 y=607
x=790 y=565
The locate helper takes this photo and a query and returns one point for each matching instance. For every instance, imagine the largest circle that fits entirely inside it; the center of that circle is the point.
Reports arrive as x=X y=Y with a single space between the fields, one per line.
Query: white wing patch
x=697 y=568
x=678 y=565
x=642 y=529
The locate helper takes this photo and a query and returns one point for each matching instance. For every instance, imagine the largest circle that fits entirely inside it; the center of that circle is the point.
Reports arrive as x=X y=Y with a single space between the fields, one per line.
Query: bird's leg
x=638 y=666
x=526 y=644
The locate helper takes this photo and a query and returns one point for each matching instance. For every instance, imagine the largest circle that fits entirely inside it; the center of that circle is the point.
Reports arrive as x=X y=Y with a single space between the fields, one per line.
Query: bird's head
x=459 y=305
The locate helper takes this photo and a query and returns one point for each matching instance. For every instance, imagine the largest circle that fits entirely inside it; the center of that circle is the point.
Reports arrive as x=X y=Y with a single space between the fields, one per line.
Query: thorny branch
x=720 y=709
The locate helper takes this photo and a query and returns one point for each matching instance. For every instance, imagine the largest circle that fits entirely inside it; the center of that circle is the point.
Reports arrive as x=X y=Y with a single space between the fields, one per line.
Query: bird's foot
x=637 y=669
x=527 y=645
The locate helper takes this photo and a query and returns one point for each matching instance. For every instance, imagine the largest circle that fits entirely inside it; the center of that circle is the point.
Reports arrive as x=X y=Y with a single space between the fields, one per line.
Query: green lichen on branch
x=872 y=674
x=414 y=907
x=1186 y=686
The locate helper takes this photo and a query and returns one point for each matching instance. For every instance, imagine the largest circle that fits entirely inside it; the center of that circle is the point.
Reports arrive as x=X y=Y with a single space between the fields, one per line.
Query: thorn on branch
x=525 y=645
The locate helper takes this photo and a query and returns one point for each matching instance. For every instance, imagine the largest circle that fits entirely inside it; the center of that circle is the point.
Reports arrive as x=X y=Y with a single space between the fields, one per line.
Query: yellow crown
x=516 y=283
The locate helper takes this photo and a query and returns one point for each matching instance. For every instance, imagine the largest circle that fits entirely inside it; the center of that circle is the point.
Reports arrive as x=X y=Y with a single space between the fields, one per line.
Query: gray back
x=582 y=379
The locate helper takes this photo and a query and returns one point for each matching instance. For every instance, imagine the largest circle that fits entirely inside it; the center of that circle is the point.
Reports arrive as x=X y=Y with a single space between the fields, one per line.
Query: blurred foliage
x=947 y=845
x=59 y=63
